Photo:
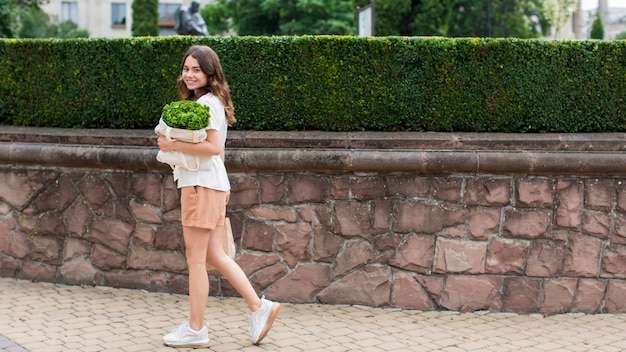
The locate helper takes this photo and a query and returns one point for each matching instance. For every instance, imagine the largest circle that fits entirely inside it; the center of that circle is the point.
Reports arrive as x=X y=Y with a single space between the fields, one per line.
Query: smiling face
x=192 y=74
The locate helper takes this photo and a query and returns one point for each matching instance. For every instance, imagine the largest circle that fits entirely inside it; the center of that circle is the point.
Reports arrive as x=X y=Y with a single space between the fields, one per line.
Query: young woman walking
x=204 y=195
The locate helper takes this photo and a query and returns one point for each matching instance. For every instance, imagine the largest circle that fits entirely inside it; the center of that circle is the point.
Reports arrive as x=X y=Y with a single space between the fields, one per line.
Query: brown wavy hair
x=216 y=81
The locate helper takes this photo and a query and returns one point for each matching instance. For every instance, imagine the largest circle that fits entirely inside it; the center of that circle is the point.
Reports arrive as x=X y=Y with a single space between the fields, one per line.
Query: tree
x=597 y=30
x=280 y=17
x=35 y=23
x=508 y=18
x=10 y=11
x=557 y=12
x=145 y=18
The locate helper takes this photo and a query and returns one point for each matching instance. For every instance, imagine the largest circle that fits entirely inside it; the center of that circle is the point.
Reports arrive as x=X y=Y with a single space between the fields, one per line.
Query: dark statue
x=189 y=21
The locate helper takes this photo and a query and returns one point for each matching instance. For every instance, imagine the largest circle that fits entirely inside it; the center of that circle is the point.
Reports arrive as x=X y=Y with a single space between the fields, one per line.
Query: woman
x=204 y=195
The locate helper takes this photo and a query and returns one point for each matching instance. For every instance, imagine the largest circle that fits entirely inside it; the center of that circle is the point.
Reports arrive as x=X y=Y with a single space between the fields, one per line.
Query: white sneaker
x=262 y=319
x=185 y=336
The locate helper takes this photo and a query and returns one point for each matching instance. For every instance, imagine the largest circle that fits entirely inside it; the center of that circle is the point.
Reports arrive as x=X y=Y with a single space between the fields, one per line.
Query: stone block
x=272 y=189
x=75 y=248
x=106 y=259
x=534 y=193
x=387 y=242
x=620 y=196
x=426 y=217
x=619 y=233
x=381 y=219
x=18 y=188
x=339 y=187
x=506 y=256
x=568 y=205
x=79 y=272
x=352 y=219
x=614 y=302
x=95 y=191
x=266 y=277
x=583 y=256
x=454 y=256
x=369 y=286
x=407 y=293
x=147 y=187
x=9 y=267
x=472 y=192
x=56 y=196
x=470 y=293
x=292 y=242
x=77 y=217
x=274 y=213
x=597 y=224
x=307 y=189
x=355 y=254
x=20 y=245
x=145 y=212
x=415 y=254
x=303 y=283
x=483 y=222
x=113 y=233
x=599 y=194
x=367 y=188
x=51 y=224
x=38 y=272
x=171 y=194
x=325 y=245
x=433 y=285
x=128 y=279
x=520 y=295
x=251 y=261
x=589 y=296
x=258 y=236
x=47 y=250
x=557 y=295
x=408 y=186
x=496 y=192
x=167 y=238
x=614 y=262
x=527 y=223
x=447 y=189
x=5 y=240
x=144 y=235
x=243 y=193
x=144 y=259
x=545 y=258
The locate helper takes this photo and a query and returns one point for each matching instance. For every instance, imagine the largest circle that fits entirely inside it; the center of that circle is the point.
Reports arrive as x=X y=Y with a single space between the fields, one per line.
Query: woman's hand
x=165 y=144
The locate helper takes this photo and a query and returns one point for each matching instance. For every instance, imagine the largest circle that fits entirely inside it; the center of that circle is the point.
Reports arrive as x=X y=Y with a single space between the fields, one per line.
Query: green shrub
x=331 y=83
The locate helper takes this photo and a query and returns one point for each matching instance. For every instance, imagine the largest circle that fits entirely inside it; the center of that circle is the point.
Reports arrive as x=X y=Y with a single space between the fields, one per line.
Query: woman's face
x=192 y=74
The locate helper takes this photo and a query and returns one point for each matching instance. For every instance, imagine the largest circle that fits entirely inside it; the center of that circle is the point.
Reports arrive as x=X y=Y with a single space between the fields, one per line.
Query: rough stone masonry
x=429 y=241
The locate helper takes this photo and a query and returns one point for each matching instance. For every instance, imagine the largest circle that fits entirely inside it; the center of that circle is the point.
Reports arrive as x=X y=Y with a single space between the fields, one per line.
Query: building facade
x=111 y=18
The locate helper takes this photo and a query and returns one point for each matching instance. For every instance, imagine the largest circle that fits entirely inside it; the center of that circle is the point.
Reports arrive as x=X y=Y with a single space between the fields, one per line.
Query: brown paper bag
x=228 y=243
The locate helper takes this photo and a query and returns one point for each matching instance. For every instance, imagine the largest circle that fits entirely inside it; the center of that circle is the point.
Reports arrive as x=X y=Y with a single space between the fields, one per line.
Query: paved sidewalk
x=47 y=317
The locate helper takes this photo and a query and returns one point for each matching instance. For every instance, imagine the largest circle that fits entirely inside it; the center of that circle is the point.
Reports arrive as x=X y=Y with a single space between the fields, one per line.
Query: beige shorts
x=203 y=207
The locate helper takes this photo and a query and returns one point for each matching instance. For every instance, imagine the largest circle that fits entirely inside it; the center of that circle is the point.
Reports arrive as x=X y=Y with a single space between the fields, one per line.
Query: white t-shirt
x=216 y=177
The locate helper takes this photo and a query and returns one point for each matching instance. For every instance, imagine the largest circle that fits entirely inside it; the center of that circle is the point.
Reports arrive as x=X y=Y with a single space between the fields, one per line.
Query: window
x=69 y=11
x=118 y=14
x=167 y=14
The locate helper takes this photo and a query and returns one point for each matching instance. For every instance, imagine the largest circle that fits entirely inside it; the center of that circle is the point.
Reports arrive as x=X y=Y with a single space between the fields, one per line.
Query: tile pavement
x=47 y=317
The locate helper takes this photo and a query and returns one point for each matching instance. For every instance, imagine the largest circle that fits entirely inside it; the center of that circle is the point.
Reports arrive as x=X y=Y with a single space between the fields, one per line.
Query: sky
x=593 y=4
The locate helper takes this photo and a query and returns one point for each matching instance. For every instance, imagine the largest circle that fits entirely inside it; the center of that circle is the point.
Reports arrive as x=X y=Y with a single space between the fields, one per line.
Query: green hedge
x=329 y=83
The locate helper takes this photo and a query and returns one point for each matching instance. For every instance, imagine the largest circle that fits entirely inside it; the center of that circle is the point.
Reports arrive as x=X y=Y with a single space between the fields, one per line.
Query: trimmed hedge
x=330 y=83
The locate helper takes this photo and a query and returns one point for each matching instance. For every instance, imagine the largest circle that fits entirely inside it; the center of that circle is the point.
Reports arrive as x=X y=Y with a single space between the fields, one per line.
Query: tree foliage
x=35 y=23
x=145 y=18
x=597 y=30
x=10 y=11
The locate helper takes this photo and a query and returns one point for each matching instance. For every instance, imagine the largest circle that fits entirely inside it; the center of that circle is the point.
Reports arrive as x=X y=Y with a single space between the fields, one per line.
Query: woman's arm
x=212 y=145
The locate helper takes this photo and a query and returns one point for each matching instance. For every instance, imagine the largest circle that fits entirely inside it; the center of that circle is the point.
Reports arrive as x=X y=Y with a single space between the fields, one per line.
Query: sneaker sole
x=202 y=345
x=270 y=321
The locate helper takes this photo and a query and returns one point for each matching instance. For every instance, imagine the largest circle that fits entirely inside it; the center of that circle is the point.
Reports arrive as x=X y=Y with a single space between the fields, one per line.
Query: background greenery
x=332 y=83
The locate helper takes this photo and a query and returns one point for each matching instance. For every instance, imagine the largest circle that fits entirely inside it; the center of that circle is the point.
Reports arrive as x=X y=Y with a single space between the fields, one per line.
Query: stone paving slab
x=48 y=317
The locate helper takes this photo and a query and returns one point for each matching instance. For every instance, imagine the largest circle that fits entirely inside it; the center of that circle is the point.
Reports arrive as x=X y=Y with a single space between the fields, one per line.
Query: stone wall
x=464 y=222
